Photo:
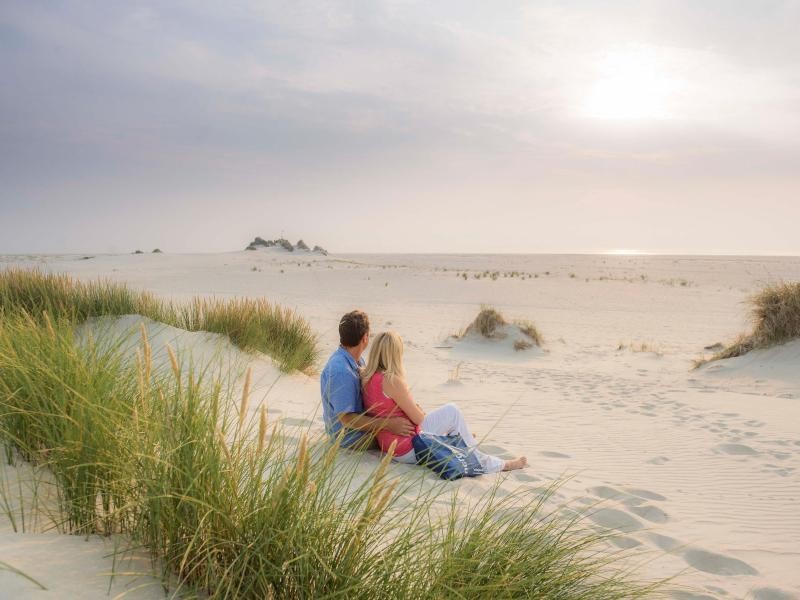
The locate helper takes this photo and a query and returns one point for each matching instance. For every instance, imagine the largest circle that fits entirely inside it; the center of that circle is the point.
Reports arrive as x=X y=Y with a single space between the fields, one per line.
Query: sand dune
x=698 y=471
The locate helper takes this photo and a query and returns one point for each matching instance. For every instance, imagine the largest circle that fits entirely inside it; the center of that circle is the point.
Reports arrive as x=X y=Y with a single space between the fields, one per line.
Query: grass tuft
x=487 y=322
x=775 y=314
x=530 y=330
x=490 y=323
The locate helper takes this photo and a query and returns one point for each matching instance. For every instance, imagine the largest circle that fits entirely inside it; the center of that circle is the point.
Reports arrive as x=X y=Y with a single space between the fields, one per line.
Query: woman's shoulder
x=393 y=382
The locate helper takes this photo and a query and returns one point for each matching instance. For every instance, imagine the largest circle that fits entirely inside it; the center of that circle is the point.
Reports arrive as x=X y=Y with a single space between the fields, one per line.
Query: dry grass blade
x=173 y=360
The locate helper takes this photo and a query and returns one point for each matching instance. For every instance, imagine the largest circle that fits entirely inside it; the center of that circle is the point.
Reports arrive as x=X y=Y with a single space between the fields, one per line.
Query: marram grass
x=775 y=314
x=250 y=324
x=234 y=508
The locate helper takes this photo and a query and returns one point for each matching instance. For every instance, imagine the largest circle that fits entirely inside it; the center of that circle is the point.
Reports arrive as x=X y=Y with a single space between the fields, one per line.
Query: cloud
x=164 y=104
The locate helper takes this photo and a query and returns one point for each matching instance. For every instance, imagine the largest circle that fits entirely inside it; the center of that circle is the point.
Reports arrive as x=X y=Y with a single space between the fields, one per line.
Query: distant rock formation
x=157 y=251
x=138 y=252
x=301 y=246
x=261 y=242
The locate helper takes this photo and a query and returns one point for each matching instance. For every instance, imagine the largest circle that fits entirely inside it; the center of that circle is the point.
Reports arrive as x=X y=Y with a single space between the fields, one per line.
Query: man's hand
x=397 y=425
x=400 y=426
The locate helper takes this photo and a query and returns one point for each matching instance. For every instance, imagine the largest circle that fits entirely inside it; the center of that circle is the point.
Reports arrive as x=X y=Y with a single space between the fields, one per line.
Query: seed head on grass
x=245 y=397
x=176 y=370
x=147 y=353
x=49 y=324
x=262 y=428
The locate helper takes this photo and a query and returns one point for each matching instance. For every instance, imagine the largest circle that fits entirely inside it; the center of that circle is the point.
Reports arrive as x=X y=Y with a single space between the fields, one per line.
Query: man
x=342 y=405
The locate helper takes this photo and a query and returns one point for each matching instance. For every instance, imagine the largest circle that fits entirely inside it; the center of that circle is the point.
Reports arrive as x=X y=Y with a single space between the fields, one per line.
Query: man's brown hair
x=352 y=328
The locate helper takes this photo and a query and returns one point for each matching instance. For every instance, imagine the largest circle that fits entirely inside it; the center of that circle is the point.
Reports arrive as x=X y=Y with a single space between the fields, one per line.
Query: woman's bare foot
x=518 y=463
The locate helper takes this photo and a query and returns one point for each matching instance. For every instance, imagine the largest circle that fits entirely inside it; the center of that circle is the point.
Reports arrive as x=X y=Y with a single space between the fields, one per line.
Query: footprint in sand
x=554 y=454
x=771 y=593
x=605 y=492
x=716 y=590
x=646 y=494
x=496 y=450
x=664 y=542
x=633 y=501
x=611 y=518
x=716 y=564
x=736 y=449
x=626 y=543
x=777 y=470
x=650 y=513
x=525 y=477
x=681 y=595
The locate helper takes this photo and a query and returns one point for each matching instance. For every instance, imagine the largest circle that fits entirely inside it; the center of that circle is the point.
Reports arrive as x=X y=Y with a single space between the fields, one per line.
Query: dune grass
x=529 y=329
x=233 y=507
x=251 y=324
x=490 y=322
x=775 y=314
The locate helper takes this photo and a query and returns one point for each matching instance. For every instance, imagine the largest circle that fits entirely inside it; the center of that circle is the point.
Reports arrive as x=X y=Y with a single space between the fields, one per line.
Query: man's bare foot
x=518 y=463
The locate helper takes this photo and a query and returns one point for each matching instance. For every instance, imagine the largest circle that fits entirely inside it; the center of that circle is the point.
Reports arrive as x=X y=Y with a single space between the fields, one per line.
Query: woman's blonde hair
x=385 y=355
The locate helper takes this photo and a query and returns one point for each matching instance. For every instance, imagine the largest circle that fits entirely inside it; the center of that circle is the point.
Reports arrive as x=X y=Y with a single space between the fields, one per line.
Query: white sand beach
x=699 y=470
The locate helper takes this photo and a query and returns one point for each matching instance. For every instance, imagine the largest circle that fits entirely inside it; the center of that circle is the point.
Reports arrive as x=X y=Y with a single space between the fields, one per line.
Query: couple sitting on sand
x=361 y=400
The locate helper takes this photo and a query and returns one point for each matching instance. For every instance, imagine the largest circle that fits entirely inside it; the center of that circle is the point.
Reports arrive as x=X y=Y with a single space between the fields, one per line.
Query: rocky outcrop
x=301 y=246
x=260 y=242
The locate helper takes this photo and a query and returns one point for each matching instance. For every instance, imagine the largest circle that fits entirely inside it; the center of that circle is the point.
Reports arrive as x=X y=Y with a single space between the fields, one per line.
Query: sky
x=399 y=126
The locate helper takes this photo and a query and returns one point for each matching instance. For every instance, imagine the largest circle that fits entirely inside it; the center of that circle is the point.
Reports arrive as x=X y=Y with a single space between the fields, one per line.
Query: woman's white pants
x=446 y=420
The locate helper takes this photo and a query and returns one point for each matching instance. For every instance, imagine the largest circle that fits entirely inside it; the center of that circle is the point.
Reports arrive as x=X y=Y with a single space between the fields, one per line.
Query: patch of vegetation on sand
x=491 y=324
x=775 y=314
x=251 y=324
x=234 y=507
x=640 y=347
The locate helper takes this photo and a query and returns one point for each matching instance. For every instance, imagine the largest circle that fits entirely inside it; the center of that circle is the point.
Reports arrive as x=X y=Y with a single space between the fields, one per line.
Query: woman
x=386 y=394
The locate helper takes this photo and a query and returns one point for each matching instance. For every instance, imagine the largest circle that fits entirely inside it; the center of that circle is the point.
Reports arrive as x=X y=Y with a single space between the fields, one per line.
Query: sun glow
x=630 y=85
x=624 y=252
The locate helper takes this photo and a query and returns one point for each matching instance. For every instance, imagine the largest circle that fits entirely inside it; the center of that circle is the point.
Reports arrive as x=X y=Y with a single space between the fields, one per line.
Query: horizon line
x=614 y=252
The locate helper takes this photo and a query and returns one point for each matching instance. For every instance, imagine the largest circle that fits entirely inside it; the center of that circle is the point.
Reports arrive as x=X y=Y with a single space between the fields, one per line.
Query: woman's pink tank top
x=379 y=404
